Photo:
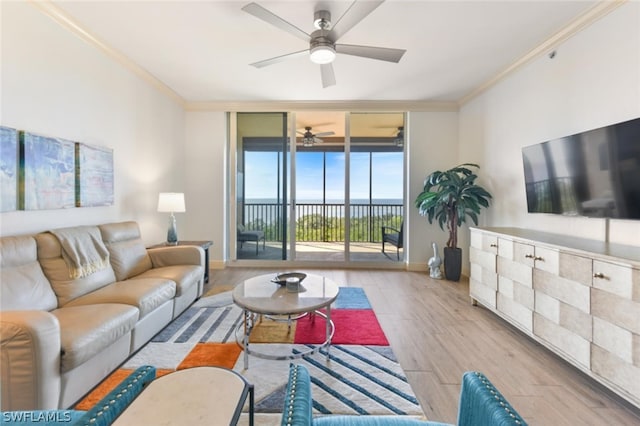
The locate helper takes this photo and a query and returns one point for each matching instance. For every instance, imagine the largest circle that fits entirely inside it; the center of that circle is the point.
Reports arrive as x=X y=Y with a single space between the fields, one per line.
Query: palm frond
x=450 y=197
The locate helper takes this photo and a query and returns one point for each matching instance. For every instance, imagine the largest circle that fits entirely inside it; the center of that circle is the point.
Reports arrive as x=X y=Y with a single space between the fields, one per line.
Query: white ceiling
x=202 y=49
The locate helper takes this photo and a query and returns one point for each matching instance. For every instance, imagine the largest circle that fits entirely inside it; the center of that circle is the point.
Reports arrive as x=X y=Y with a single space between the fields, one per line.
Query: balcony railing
x=325 y=222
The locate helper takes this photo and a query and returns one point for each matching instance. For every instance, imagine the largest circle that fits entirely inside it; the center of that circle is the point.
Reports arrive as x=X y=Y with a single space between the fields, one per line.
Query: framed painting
x=8 y=169
x=95 y=176
x=47 y=172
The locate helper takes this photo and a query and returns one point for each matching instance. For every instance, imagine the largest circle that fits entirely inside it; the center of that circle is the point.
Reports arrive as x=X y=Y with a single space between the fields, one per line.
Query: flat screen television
x=594 y=173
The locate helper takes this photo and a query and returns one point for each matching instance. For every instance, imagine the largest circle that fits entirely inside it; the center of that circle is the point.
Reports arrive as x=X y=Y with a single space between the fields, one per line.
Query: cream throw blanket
x=82 y=250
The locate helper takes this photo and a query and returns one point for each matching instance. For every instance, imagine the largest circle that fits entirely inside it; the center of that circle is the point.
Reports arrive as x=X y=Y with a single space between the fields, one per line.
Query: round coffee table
x=260 y=296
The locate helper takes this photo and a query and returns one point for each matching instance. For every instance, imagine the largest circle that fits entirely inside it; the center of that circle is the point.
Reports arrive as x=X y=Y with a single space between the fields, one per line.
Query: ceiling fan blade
x=317 y=140
x=328 y=76
x=270 y=18
x=325 y=133
x=380 y=53
x=271 y=61
x=356 y=13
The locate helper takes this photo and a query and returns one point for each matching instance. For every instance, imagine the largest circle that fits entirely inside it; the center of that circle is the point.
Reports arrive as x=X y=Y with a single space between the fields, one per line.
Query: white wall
x=593 y=81
x=206 y=174
x=433 y=145
x=55 y=84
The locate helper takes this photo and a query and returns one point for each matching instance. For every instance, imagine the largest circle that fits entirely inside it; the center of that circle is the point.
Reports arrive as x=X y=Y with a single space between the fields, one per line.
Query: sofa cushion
x=128 y=254
x=146 y=294
x=23 y=285
x=87 y=330
x=185 y=276
x=57 y=271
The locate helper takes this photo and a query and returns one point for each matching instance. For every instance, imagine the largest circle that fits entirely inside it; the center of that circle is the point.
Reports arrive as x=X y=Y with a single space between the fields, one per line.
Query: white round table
x=193 y=396
x=260 y=296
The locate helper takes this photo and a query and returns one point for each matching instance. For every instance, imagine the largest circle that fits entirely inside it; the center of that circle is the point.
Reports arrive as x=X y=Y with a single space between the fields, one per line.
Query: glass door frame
x=289 y=187
x=233 y=190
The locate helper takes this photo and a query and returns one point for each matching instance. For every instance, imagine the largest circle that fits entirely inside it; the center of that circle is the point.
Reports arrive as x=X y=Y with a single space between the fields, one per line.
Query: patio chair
x=251 y=235
x=394 y=237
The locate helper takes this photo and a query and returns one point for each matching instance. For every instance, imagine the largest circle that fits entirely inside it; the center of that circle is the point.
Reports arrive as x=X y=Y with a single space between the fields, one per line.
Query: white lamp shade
x=171 y=202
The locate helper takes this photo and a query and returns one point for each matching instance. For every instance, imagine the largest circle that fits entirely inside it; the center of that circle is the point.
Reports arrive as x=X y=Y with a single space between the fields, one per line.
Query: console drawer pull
x=529 y=256
x=598 y=275
x=493 y=245
x=538 y=258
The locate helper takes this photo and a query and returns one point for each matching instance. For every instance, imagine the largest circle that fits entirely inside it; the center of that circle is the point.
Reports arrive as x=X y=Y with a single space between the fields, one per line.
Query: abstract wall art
x=8 y=169
x=94 y=176
x=47 y=168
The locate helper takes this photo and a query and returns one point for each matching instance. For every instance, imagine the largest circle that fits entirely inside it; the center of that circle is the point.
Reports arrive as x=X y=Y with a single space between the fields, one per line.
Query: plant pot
x=452 y=263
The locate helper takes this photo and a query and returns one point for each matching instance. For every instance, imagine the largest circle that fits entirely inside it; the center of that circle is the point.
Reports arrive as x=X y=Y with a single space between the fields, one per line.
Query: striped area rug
x=357 y=377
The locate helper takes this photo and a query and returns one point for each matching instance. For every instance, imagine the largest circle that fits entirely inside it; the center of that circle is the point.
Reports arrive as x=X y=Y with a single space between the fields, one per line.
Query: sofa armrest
x=30 y=350
x=482 y=404
x=176 y=255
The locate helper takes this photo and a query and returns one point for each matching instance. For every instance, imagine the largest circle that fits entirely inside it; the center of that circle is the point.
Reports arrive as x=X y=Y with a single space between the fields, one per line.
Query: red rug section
x=353 y=327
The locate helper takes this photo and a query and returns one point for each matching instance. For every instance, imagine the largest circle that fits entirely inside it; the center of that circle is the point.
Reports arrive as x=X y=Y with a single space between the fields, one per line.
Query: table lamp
x=171 y=202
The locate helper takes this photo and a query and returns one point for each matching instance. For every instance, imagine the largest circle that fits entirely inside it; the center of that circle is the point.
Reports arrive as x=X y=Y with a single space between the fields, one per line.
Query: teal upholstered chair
x=481 y=404
x=102 y=414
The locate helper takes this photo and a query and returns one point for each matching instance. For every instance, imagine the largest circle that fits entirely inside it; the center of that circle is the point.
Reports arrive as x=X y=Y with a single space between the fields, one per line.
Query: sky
x=261 y=180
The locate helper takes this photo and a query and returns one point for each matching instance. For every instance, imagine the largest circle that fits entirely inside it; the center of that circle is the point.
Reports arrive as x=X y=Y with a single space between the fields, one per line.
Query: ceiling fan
x=323 y=45
x=309 y=139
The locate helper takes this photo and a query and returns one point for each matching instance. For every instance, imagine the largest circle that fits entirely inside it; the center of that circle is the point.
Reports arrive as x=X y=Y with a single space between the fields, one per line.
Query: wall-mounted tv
x=594 y=173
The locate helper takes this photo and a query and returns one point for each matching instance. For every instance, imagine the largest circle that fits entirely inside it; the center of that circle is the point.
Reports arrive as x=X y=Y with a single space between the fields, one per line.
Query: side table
x=194 y=396
x=205 y=246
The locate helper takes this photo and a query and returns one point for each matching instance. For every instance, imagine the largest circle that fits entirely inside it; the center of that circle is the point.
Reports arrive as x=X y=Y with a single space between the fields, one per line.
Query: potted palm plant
x=450 y=197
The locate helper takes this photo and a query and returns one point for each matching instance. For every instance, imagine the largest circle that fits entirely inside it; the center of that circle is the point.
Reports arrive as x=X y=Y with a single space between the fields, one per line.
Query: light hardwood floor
x=437 y=334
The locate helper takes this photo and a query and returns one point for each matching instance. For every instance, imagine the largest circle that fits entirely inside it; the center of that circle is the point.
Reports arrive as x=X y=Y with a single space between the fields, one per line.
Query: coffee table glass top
x=260 y=295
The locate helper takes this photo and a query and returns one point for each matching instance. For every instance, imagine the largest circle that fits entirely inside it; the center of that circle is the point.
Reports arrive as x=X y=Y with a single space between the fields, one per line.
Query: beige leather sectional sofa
x=60 y=336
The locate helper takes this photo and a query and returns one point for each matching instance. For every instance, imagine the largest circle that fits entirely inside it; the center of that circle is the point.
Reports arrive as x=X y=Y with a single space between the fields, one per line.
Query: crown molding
x=598 y=11
x=352 y=106
x=66 y=21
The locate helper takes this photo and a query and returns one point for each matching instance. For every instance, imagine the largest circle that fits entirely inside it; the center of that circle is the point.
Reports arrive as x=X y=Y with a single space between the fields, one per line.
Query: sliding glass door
x=320 y=186
x=261 y=211
x=376 y=185
x=325 y=197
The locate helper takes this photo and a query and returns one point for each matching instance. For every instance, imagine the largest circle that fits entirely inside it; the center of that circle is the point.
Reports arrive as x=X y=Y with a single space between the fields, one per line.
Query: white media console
x=580 y=298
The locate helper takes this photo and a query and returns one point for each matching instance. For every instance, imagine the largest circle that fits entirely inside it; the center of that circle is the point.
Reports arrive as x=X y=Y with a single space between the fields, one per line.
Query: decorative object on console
x=171 y=202
x=8 y=169
x=450 y=197
x=434 y=264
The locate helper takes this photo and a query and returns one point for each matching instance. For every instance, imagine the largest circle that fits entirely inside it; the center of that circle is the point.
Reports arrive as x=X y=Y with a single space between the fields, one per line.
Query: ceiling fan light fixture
x=322 y=54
